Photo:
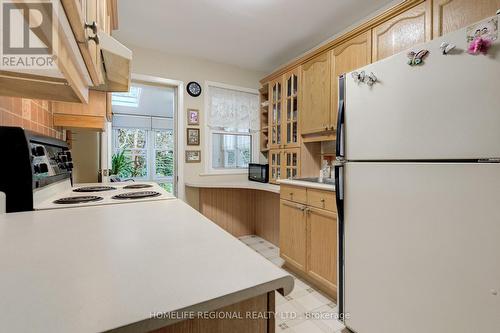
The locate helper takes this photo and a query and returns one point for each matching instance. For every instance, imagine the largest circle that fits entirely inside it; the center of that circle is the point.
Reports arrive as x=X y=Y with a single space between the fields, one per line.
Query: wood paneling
x=347 y=57
x=315 y=94
x=322 y=248
x=231 y=209
x=293 y=233
x=242 y=212
x=403 y=31
x=267 y=216
x=450 y=15
x=259 y=305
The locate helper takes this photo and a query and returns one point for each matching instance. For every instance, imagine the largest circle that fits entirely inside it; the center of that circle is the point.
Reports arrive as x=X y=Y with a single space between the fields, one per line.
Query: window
x=143 y=134
x=233 y=125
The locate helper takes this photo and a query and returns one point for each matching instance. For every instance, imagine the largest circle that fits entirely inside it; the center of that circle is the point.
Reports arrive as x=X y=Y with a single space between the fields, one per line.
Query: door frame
x=179 y=127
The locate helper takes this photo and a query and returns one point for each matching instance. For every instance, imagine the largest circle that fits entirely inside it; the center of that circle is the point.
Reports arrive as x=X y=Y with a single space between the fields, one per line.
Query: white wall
x=186 y=69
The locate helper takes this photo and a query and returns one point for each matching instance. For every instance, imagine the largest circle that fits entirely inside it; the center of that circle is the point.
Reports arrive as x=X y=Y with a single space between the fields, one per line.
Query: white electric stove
x=63 y=195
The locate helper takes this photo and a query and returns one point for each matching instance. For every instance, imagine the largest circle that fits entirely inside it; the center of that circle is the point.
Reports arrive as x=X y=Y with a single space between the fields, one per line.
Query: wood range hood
x=116 y=62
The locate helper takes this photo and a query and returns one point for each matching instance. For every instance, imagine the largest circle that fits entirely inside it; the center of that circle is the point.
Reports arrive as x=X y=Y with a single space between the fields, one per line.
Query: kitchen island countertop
x=95 y=269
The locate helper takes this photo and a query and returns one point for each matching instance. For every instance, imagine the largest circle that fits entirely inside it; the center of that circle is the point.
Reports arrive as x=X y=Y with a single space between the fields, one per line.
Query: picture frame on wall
x=193 y=136
x=193 y=156
x=193 y=117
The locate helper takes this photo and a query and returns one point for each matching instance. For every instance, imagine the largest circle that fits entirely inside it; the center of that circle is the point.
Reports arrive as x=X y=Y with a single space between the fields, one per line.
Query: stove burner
x=137 y=186
x=136 y=195
x=94 y=189
x=79 y=199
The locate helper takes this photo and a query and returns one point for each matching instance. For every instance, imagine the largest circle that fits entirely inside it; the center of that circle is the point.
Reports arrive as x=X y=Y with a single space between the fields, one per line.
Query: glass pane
x=288 y=159
x=278 y=159
x=128 y=138
x=231 y=151
x=169 y=187
x=294 y=130
x=164 y=140
x=279 y=90
x=295 y=84
x=289 y=87
x=164 y=163
x=288 y=174
x=294 y=108
x=289 y=110
x=278 y=134
x=278 y=113
x=274 y=93
x=289 y=132
x=294 y=159
x=294 y=173
x=137 y=162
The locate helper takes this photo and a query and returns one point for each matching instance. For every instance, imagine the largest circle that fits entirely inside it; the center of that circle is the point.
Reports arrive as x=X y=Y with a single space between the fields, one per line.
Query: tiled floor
x=304 y=310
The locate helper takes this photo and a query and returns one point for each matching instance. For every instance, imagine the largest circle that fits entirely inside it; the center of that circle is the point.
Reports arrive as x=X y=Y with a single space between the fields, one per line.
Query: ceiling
x=254 y=34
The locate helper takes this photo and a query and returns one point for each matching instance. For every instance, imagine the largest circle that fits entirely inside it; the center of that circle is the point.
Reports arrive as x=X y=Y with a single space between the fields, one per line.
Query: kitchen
x=339 y=175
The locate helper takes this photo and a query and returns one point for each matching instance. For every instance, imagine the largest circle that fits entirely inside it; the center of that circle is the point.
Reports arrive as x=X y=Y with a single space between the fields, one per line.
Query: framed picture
x=193 y=136
x=193 y=117
x=193 y=156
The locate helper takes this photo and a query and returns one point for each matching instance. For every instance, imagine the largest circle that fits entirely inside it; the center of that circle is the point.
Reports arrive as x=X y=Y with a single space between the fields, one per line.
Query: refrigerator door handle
x=339 y=149
x=339 y=198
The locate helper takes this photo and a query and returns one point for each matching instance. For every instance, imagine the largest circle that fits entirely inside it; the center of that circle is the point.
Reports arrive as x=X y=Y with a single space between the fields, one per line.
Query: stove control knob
x=36 y=168
x=69 y=165
x=68 y=155
x=37 y=151
x=63 y=158
x=43 y=167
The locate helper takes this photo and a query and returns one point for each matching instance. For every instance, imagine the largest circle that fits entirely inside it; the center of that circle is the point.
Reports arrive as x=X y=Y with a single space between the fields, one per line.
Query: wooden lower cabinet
x=293 y=233
x=308 y=241
x=322 y=247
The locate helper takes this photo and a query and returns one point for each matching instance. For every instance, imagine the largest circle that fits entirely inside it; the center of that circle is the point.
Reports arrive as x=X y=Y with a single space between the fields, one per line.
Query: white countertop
x=94 y=269
x=318 y=186
x=245 y=184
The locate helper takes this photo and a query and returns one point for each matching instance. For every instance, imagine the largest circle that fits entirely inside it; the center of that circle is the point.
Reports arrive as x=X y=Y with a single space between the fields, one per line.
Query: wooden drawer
x=321 y=199
x=293 y=193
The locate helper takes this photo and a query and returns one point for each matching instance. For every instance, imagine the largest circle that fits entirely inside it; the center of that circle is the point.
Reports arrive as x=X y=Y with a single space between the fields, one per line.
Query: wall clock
x=193 y=89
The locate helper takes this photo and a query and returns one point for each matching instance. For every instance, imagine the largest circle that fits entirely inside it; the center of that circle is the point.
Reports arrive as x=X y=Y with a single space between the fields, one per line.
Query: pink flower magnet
x=479 y=45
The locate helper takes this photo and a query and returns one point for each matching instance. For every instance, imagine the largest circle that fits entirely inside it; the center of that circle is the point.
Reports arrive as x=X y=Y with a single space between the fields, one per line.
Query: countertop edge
x=250 y=186
x=318 y=186
x=283 y=285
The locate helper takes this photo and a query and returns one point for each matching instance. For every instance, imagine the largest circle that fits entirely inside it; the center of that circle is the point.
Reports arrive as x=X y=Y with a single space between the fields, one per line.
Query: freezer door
x=422 y=247
x=446 y=108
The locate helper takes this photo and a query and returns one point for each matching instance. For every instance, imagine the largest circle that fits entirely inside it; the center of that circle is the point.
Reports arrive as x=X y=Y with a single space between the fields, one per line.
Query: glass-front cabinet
x=291 y=163
x=275 y=121
x=275 y=160
x=291 y=116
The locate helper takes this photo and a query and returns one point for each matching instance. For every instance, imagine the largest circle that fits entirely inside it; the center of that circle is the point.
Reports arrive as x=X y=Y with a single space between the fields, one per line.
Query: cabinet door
x=291 y=163
x=315 y=94
x=293 y=234
x=93 y=15
x=276 y=104
x=409 y=28
x=451 y=15
x=322 y=247
x=291 y=118
x=350 y=55
x=275 y=160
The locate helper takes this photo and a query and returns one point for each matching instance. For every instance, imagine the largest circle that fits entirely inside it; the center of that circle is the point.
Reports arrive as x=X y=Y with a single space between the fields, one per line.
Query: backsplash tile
x=31 y=114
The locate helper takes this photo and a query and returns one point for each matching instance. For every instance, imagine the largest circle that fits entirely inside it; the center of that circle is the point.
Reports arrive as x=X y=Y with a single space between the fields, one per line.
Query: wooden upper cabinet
x=407 y=29
x=291 y=136
x=90 y=115
x=275 y=160
x=315 y=94
x=451 y=15
x=346 y=57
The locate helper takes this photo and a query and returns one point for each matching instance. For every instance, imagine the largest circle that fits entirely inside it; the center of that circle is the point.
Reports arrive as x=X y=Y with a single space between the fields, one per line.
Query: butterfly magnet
x=417 y=58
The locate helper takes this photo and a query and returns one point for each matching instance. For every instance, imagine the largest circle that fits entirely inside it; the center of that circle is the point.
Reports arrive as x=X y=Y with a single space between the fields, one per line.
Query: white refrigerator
x=418 y=193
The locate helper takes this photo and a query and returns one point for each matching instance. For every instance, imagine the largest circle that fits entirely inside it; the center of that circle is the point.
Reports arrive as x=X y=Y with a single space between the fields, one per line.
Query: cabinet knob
x=95 y=39
x=92 y=26
x=322 y=200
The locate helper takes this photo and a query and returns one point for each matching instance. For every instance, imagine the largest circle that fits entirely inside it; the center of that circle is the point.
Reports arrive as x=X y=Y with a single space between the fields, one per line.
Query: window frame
x=255 y=137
